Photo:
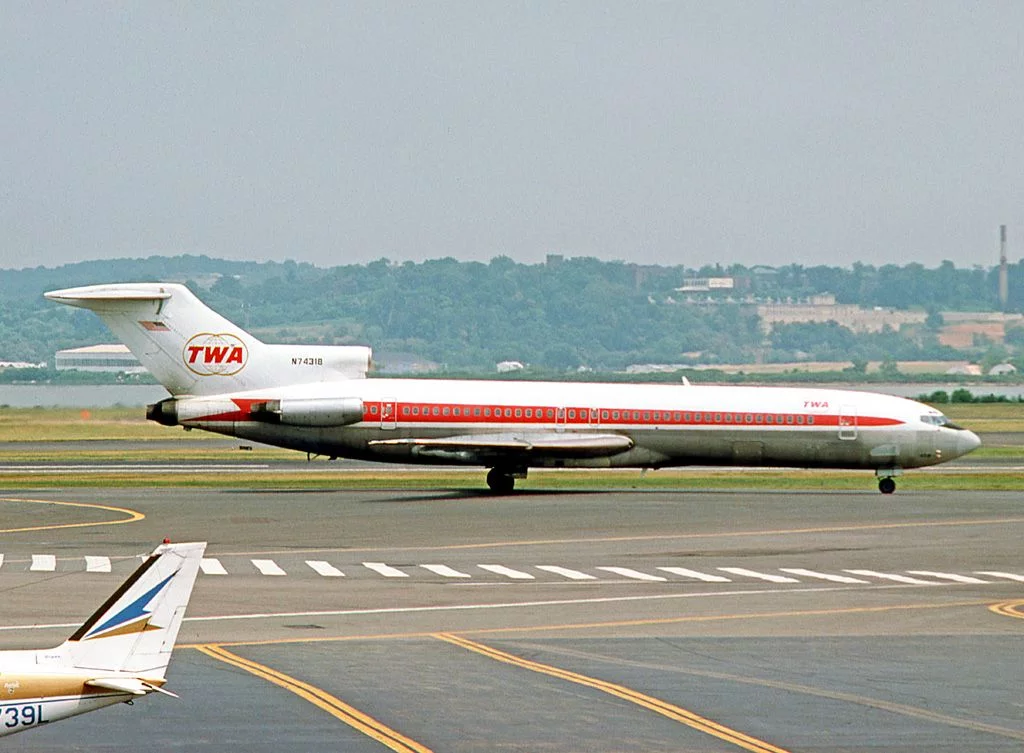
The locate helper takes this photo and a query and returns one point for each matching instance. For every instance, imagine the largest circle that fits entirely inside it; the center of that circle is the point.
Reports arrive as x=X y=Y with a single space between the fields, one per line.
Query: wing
x=481 y=448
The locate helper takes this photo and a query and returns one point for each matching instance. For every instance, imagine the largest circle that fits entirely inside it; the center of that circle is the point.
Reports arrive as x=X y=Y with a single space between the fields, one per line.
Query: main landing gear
x=503 y=480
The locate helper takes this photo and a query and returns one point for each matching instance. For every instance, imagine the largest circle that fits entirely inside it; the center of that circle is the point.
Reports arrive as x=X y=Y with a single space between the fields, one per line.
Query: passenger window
x=749 y=419
x=677 y=417
x=728 y=418
x=519 y=412
x=604 y=415
x=508 y=413
x=487 y=412
x=445 y=411
x=789 y=419
x=800 y=419
x=476 y=411
x=435 y=410
x=718 y=418
x=759 y=418
x=810 y=419
x=615 y=415
x=647 y=416
x=373 y=409
x=415 y=410
x=572 y=413
x=687 y=417
x=769 y=419
x=457 y=411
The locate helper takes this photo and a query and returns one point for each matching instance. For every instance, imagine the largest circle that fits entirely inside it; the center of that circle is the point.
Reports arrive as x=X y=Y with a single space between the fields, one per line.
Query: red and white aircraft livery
x=317 y=399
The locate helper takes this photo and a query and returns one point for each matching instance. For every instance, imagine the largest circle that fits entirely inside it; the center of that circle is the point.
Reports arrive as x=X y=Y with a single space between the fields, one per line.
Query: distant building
x=22 y=365
x=505 y=367
x=109 y=358
x=970 y=369
x=706 y=284
x=1002 y=369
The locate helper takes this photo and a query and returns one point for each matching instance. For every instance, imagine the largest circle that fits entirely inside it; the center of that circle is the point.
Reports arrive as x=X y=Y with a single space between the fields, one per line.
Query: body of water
x=139 y=395
x=80 y=395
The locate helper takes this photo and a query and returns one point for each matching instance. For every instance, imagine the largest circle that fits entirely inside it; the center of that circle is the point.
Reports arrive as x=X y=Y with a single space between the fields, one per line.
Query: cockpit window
x=940 y=420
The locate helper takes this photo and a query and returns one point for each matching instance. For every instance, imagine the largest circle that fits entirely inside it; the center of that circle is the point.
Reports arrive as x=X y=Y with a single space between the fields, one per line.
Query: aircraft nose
x=967 y=441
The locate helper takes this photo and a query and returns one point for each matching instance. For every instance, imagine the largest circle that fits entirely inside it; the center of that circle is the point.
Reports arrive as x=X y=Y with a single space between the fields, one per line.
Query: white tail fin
x=193 y=350
x=135 y=629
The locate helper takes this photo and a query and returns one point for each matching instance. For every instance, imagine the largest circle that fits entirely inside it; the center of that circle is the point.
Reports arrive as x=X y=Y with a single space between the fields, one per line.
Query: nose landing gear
x=887 y=479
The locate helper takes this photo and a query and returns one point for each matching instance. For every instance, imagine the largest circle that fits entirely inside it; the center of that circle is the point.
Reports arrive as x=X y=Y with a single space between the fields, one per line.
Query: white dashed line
x=212 y=566
x=43 y=563
x=97 y=564
x=508 y=572
x=695 y=574
x=997 y=574
x=823 y=576
x=268 y=567
x=386 y=570
x=892 y=576
x=325 y=568
x=445 y=571
x=627 y=572
x=948 y=576
x=760 y=576
x=566 y=572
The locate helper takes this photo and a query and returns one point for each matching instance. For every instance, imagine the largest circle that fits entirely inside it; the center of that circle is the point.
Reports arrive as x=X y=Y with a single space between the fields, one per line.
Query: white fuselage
x=667 y=425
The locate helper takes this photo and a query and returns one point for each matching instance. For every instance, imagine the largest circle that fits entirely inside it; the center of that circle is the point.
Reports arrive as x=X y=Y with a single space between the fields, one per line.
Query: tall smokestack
x=1004 y=282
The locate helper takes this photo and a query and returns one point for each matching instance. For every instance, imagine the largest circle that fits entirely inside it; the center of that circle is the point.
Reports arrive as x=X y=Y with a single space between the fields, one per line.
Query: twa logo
x=208 y=354
x=815 y=403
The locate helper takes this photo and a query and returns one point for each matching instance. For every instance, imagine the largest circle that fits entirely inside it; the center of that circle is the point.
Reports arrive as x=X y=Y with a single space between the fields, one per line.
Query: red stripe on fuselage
x=417 y=414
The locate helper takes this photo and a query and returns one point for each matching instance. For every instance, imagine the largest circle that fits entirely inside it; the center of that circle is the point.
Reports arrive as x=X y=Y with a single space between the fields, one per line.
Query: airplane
x=319 y=400
x=119 y=654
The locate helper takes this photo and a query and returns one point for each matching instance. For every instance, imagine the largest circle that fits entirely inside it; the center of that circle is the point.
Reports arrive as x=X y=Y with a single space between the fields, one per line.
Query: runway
x=448 y=620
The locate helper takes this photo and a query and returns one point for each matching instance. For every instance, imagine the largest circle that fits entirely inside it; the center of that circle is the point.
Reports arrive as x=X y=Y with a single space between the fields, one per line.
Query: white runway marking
x=948 y=576
x=325 y=568
x=823 y=576
x=97 y=564
x=508 y=572
x=445 y=571
x=386 y=570
x=1 y=560
x=695 y=574
x=212 y=566
x=43 y=563
x=268 y=567
x=892 y=576
x=566 y=572
x=760 y=576
x=627 y=572
x=997 y=574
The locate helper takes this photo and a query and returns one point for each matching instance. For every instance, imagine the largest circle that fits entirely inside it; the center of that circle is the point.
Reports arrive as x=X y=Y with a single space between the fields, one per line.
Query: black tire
x=886 y=485
x=500 y=482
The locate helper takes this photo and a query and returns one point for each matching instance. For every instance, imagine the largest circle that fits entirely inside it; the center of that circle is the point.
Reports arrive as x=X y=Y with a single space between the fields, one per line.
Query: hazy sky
x=658 y=132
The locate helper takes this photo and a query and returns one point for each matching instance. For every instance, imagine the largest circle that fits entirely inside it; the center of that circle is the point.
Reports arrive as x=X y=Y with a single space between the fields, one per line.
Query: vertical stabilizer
x=188 y=347
x=193 y=350
x=135 y=629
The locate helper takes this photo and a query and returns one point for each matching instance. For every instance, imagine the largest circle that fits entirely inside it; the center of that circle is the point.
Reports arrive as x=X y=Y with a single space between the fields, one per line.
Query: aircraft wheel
x=886 y=485
x=500 y=481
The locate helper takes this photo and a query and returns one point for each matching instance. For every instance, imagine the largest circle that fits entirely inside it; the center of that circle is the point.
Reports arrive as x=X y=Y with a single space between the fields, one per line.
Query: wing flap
x=545 y=444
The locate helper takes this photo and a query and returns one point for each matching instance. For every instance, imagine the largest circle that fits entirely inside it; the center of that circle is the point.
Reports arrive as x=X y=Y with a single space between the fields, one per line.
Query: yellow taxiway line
x=1009 y=609
x=669 y=710
x=131 y=515
x=320 y=698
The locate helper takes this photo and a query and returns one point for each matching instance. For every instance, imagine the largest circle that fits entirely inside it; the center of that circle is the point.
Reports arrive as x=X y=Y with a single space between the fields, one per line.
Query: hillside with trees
x=560 y=315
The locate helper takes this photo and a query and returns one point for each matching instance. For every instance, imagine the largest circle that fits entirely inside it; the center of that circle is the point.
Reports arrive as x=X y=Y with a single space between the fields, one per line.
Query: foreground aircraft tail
x=134 y=631
x=192 y=350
